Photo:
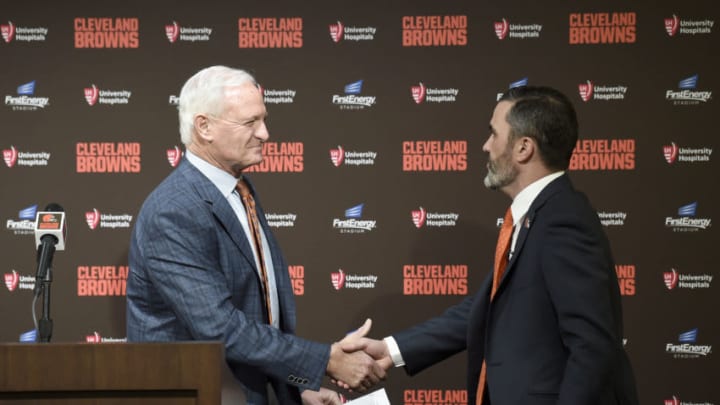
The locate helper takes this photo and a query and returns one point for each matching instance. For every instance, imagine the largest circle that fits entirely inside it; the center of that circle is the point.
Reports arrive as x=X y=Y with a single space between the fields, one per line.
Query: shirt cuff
x=394 y=351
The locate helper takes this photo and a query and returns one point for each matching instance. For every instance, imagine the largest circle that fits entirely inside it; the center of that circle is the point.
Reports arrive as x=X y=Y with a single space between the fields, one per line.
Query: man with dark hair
x=546 y=325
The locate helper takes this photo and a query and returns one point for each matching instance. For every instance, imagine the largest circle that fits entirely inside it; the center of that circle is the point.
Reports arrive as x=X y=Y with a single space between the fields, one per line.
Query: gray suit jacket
x=193 y=277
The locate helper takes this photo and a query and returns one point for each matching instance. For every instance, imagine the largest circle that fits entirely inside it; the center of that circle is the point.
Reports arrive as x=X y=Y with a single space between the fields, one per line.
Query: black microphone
x=50 y=231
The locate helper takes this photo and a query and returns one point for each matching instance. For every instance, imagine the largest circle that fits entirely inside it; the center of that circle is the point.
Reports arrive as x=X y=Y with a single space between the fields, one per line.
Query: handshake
x=357 y=362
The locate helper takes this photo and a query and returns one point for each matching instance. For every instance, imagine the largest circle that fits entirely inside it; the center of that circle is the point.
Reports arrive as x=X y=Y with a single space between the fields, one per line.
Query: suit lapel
x=526 y=223
x=220 y=208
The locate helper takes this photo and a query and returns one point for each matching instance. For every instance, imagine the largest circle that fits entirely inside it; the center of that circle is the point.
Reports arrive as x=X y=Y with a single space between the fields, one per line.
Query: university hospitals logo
x=687 y=95
x=276 y=220
x=12 y=32
x=95 y=337
x=352 y=100
x=603 y=28
x=673 y=280
x=26 y=100
x=15 y=281
x=270 y=32
x=104 y=32
x=673 y=153
x=589 y=91
x=675 y=25
x=340 y=156
x=25 y=225
x=435 y=279
x=281 y=157
x=503 y=30
x=27 y=159
x=174 y=31
x=687 y=349
x=434 y=30
x=174 y=155
x=277 y=96
x=421 y=94
x=434 y=156
x=93 y=96
x=686 y=221
x=340 y=31
x=342 y=280
x=676 y=401
x=422 y=217
x=612 y=218
x=353 y=222
x=94 y=219
x=603 y=154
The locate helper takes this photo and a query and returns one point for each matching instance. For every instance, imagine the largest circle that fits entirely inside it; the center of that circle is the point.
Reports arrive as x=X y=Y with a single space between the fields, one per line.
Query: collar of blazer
x=557 y=185
x=220 y=208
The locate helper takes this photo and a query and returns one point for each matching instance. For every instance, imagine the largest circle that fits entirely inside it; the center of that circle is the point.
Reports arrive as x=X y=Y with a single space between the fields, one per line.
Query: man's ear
x=201 y=123
x=525 y=149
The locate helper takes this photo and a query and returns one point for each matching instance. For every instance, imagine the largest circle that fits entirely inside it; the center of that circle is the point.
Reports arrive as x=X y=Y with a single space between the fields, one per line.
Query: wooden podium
x=111 y=373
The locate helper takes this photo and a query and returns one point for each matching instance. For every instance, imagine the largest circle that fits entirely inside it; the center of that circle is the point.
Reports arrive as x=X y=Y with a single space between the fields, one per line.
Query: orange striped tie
x=254 y=223
x=502 y=251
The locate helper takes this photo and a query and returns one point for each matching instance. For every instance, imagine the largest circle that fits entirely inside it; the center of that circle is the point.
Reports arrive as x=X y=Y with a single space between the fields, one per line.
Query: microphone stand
x=45 y=324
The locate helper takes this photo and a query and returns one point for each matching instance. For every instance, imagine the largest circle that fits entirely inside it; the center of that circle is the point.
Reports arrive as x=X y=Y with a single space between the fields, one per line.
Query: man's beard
x=501 y=172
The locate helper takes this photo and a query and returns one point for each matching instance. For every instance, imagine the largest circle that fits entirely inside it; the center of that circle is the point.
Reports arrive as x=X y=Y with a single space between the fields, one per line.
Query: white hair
x=204 y=93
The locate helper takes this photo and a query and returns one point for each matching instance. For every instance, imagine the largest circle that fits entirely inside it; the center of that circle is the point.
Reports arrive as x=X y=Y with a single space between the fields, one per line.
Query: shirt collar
x=224 y=181
x=521 y=203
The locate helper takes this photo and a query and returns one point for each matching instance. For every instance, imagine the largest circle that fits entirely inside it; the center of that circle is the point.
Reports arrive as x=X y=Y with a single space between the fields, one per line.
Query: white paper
x=378 y=397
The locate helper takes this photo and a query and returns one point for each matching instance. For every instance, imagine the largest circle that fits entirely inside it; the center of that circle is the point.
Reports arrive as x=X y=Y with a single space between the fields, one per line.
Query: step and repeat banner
x=372 y=178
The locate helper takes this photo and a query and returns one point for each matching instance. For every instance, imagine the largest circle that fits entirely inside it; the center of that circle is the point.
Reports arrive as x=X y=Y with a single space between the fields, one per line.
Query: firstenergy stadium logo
x=15 y=281
x=270 y=32
x=435 y=397
x=174 y=155
x=421 y=217
x=102 y=281
x=590 y=91
x=674 y=153
x=281 y=157
x=504 y=29
x=686 y=221
x=26 y=99
x=173 y=100
x=675 y=25
x=13 y=157
x=277 y=96
x=434 y=156
x=687 y=349
x=352 y=100
x=518 y=83
x=108 y=157
x=353 y=222
x=95 y=337
x=435 y=279
x=434 y=30
x=340 y=32
x=687 y=95
x=95 y=219
x=175 y=32
x=93 y=96
x=25 y=225
x=673 y=279
x=626 y=278
x=342 y=280
x=91 y=32
x=603 y=154
x=612 y=218
x=340 y=157
x=422 y=94
x=603 y=28
x=12 y=32
x=277 y=220
x=297 y=278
